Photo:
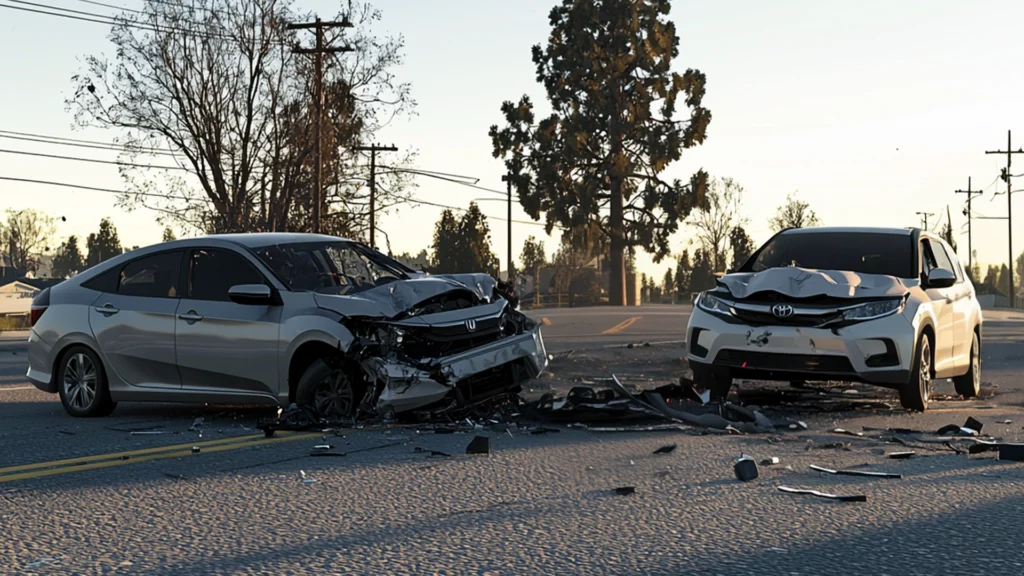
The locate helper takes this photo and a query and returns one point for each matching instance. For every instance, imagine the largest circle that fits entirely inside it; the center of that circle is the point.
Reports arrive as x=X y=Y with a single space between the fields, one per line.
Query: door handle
x=107 y=310
x=191 y=317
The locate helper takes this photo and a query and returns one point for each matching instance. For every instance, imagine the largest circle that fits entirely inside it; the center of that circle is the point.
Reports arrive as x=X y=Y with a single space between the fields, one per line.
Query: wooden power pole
x=373 y=149
x=1009 y=206
x=924 y=216
x=318 y=100
x=507 y=179
x=970 y=250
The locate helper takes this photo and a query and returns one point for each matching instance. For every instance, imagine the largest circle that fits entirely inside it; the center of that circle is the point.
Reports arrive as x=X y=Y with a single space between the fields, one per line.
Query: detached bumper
x=497 y=366
x=877 y=352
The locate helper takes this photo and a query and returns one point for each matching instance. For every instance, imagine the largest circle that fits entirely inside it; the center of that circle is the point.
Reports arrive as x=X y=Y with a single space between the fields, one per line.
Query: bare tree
x=24 y=234
x=716 y=218
x=793 y=214
x=214 y=87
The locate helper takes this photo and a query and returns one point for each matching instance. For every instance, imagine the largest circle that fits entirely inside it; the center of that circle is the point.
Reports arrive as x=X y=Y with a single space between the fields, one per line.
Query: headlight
x=874 y=309
x=712 y=303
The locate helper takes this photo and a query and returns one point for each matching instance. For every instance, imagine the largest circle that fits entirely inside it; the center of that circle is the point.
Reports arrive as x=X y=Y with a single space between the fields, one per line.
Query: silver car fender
x=320 y=327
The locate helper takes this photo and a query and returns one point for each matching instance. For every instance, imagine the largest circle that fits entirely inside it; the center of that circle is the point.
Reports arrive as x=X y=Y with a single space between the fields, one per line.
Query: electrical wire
x=93 y=160
x=107 y=147
x=107 y=20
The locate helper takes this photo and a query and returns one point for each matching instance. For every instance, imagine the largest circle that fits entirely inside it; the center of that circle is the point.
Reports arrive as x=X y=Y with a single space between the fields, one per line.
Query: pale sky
x=872 y=110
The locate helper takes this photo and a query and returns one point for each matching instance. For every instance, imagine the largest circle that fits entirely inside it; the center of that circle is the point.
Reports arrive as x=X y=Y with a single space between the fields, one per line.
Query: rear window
x=864 y=253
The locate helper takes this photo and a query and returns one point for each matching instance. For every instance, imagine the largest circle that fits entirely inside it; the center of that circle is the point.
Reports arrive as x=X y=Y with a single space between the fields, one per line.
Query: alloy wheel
x=334 y=396
x=925 y=367
x=80 y=378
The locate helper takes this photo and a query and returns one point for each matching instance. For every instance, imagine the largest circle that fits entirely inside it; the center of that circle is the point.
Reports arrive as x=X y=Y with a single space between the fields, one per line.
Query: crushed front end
x=454 y=350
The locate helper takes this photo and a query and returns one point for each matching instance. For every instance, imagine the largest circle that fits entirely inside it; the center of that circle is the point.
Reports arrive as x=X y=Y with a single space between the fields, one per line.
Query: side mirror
x=252 y=294
x=939 y=278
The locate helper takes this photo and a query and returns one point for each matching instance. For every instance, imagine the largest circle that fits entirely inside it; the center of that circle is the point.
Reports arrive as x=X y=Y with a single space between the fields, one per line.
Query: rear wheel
x=969 y=385
x=82 y=385
x=328 y=389
x=916 y=393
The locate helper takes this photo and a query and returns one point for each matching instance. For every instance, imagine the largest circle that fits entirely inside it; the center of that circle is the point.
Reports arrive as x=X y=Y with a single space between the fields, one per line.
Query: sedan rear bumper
x=40 y=362
x=471 y=375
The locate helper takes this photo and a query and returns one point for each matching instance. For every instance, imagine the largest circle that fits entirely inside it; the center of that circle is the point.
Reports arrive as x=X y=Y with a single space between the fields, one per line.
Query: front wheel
x=328 y=389
x=969 y=385
x=916 y=393
x=83 y=386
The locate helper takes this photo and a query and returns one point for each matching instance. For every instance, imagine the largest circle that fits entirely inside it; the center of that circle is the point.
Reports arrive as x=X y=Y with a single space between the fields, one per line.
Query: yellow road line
x=159 y=456
x=621 y=325
x=545 y=322
x=130 y=453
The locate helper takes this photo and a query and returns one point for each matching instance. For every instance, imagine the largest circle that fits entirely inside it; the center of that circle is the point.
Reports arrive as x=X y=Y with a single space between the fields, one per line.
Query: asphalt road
x=538 y=505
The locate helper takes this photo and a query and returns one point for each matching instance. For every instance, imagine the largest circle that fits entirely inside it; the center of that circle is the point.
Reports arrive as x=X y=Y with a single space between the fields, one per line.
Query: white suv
x=889 y=307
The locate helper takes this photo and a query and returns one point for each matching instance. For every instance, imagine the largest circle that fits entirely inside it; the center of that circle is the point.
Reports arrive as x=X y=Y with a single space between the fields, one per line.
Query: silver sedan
x=278 y=319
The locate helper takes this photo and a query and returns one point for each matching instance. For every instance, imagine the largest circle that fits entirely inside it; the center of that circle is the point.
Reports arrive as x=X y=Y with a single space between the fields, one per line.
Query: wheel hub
x=334 y=396
x=80 y=381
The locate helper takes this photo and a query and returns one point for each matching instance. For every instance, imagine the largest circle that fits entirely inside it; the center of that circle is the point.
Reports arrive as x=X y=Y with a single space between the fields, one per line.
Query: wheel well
x=302 y=358
x=930 y=333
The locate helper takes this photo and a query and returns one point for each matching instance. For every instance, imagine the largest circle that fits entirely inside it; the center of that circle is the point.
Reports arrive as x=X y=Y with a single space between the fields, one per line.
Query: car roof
x=852 y=230
x=257 y=239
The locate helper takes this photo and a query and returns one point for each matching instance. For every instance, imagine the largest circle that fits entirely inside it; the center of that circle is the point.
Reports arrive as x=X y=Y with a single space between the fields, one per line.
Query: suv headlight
x=712 y=303
x=873 y=310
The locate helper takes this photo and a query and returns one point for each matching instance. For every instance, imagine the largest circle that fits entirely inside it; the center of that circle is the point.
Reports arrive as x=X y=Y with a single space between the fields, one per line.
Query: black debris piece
x=630 y=345
x=625 y=490
x=856 y=472
x=745 y=468
x=833 y=446
x=954 y=449
x=666 y=449
x=982 y=447
x=688 y=392
x=322 y=453
x=738 y=413
x=852 y=498
x=1005 y=422
x=647 y=344
x=901 y=455
x=893 y=430
x=770 y=461
x=1011 y=452
x=479 y=445
x=196 y=449
x=848 y=432
x=973 y=424
x=543 y=430
x=954 y=430
x=295 y=417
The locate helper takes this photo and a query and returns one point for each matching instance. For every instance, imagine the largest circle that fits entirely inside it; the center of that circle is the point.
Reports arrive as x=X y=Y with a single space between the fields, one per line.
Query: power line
x=106 y=147
x=452 y=180
x=107 y=20
x=93 y=160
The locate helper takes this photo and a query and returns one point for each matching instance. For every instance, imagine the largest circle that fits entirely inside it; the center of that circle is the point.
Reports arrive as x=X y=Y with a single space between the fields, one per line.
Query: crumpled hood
x=806 y=283
x=391 y=299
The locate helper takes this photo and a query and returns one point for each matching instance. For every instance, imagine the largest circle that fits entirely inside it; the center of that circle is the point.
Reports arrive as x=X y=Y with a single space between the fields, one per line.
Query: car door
x=933 y=256
x=223 y=346
x=962 y=307
x=133 y=321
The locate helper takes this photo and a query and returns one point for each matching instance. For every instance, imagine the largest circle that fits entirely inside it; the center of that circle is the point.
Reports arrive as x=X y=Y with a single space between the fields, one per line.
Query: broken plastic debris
x=543 y=430
x=196 y=424
x=306 y=479
x=666 y=449
x=195 y=449
x=745 y=468
x=433 y=453
x=770 y=461
x=847 y=432
x=1005 y=422
x=856 y=472
x=1011 y=452
x=856 y=498
x=149 y=432
x=798 y=424
x=973 y=424
x=901 y=455
x=479 y=445
x=625 y=490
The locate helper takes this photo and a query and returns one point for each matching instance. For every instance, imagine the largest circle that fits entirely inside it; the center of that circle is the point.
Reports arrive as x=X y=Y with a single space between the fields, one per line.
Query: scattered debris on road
x=666 y=449
x=856 y=472
x=479 y=445
x=851 y=498
x=149 y=432
x=745 y=468
x=770 y=461
x=901 y=455
x=625 y=490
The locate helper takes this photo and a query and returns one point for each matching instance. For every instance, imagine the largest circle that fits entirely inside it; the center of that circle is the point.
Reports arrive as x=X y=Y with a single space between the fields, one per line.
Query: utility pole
x=970 y=215
x=373 y=149
x=1009 y=206
x=318 y=100
x=924 y=216
x=507 y=179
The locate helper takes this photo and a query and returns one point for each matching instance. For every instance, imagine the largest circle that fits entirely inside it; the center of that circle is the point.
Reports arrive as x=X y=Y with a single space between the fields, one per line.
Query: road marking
x=18 y=388
x=545 y=322
x=145 y=455
x=622 y=325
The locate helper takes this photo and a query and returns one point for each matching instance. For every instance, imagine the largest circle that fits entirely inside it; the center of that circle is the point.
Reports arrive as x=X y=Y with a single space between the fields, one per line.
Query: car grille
x=784 y=362
x=756 y=318
x=440 y=341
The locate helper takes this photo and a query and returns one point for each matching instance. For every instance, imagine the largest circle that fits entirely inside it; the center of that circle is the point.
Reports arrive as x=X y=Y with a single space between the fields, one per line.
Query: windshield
x=864 y=253
x=330 y=267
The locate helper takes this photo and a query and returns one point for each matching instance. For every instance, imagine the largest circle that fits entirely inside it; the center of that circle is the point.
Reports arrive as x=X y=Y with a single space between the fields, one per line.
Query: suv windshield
x=330 y=267
x=861 y=252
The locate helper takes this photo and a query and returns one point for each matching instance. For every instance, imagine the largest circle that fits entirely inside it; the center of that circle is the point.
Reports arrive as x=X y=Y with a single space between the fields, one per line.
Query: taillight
x=39 y=305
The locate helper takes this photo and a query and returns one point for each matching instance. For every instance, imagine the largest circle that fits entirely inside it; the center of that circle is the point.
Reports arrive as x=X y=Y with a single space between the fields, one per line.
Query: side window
x=105 y=282
x=213 y=272
x=927 y=259
x=153 y=276
x=958 y=269
x=941 y=259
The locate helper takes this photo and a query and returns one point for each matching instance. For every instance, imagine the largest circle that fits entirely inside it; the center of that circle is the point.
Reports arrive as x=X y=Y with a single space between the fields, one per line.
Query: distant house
x=16 y=296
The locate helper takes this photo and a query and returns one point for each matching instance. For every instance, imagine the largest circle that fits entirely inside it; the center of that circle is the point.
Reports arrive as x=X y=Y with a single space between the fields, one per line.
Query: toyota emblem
x=471 y=325
x=782 y=310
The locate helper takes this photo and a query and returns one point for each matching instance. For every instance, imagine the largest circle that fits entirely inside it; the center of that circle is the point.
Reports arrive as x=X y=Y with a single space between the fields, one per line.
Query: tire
x=916 y=393
x=969 y=385
x=82 y=384
x=327 y=388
